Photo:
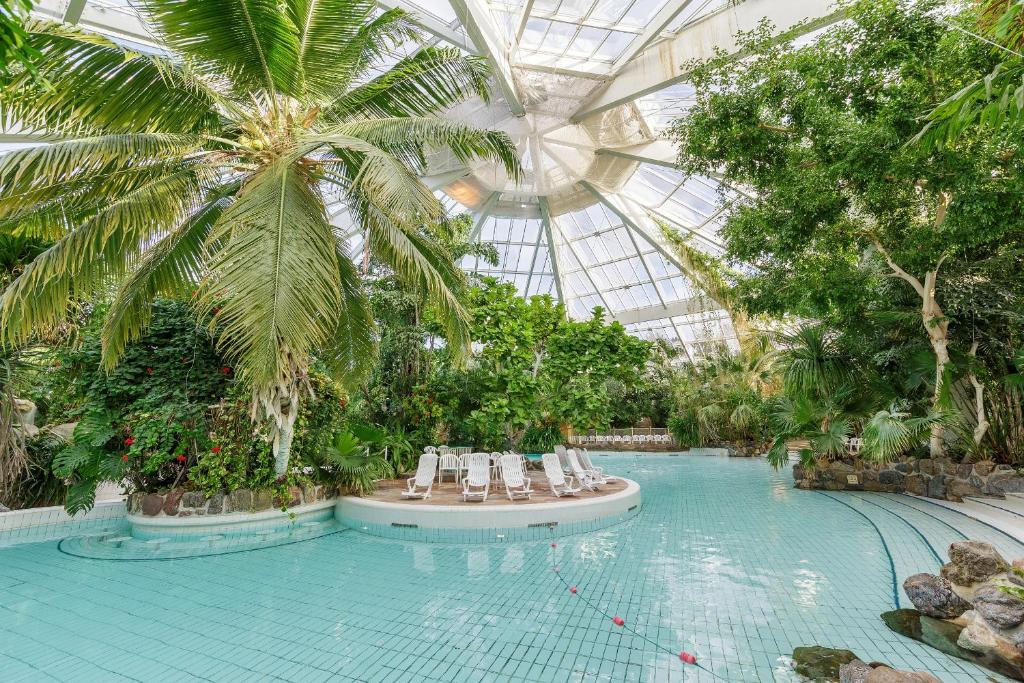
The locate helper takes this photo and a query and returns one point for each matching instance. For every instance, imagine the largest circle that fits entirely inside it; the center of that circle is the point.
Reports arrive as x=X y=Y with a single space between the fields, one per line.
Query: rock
x=916 y=484
x=799 y=472
x=903 y=467
x=27 y=412
x=972 y=561
x=171 y=502
x=152 y=503
x=937 y=486
x=262 y=500
x=821 y=663
x=983 y=468
x=906 y=622
x=134 y=503
x=963 y=470
x=961 y=488
x=241 y=500
x=977 y=637
x=193 y=499
x=216 y=505
x=854 y=672
x=998 y=607
x=927 y=466
x=294 y=496
x=884 y=674
x=934 y=596
x=1002 y=481
x=64 y=431
x=891 y=478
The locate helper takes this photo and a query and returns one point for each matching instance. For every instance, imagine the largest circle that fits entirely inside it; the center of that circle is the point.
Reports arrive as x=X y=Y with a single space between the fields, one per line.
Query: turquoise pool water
x=726 y=560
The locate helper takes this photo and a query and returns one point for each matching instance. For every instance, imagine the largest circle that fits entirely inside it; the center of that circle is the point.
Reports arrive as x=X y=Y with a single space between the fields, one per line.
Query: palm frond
x=427 y=82
x=407 y=137
x=354 y=339
x=275 y=280
x=173 y=264
x=252 y=41
x=338 y=40
x=91 y=84
x=99 y=248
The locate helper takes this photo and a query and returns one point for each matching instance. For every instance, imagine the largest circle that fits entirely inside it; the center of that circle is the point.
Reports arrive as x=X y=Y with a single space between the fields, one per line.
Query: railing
x=635 y=435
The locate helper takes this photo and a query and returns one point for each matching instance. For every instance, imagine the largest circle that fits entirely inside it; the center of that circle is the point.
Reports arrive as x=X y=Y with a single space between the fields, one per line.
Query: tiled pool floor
x=726 y=560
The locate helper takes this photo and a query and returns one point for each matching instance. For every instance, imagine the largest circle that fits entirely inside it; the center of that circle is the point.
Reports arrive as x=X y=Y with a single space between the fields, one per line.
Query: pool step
x=1013 y=503
x=980 y=510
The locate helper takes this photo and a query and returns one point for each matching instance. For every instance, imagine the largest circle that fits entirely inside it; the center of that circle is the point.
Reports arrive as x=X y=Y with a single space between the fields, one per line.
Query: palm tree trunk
x=283 y=447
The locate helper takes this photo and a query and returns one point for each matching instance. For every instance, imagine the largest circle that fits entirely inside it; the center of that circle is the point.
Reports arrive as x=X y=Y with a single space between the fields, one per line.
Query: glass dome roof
x=585 y=88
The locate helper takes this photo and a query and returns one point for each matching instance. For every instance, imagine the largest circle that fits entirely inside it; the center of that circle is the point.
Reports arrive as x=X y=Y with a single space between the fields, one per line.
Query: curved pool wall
x=725 y=560
x=484 y=523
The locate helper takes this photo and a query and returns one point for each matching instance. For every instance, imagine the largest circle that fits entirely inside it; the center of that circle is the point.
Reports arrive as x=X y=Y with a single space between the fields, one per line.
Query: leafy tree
x=841 y=205
x=15 y=50
x=210 y=171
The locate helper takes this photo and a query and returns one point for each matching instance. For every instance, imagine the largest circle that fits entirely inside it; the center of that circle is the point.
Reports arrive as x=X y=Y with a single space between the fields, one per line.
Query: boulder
x=963 y=470
x=818 y=663
x=934 y=596
x=241 y=500
x=262 y=500
x=171 y=502
x=916 y=484
x=216 y=505
x=984 y=468
x=937 y=486
x=891 y=478
x=977 y=637
x=971 y=562
x=1003 y=481
x=134 y=503
x=152 y=504
x=958 y=489
x=64 y=431
x=998 y=607
x=927 y=466
x=856 y=671
x=884 y=674
x=904 y=467
x=193 y=499
x=27 y=412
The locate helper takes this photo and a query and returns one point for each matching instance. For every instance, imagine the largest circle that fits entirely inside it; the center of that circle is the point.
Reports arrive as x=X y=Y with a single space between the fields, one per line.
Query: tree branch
x=902 y=274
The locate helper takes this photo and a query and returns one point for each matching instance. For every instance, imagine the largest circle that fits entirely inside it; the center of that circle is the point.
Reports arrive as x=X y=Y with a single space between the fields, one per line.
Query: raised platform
x=444 y=517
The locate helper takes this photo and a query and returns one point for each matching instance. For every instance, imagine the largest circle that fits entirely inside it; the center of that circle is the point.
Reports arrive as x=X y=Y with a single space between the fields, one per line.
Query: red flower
x=149 y=371
x=182 y=458
x=124 y=457
x=215 y=449
x=128 y=442
x=226 y=370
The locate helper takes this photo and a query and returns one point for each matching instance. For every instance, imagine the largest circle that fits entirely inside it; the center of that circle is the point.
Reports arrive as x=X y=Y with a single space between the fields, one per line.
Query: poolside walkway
x=450 y=493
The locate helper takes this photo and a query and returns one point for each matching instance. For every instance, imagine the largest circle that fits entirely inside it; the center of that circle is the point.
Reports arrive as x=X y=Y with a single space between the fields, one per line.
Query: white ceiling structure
x=585 y=88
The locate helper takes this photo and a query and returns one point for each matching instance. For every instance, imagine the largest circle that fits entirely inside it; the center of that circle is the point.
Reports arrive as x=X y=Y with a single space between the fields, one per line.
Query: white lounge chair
x=517 y=484
x=448 y=463
x=562 y=459
x=585 y=477
x=588 y=464
x=560 y=486
x=477 y=483
x=423 y=482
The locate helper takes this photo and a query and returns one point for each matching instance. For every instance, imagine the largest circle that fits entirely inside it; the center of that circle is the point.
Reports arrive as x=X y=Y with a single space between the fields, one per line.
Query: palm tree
x=209 y=171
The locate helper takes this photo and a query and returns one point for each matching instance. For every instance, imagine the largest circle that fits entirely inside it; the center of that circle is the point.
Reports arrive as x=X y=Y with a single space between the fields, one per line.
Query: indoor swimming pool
x=725 y=560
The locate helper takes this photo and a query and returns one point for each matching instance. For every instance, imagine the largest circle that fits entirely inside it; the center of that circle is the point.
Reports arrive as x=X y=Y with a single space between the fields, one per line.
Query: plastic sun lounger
x=562 y=459
x=478 y=482
x=588 y=464
x=420 y=485
x=517 y=484
x=560 y=485
x=584 y=476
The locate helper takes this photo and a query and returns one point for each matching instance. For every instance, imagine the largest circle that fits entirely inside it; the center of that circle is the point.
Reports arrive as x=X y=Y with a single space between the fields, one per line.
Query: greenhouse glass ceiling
x=586 y=89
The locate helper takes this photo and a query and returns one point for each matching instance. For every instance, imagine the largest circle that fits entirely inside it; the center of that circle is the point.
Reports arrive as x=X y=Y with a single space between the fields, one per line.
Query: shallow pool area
x=725 y=559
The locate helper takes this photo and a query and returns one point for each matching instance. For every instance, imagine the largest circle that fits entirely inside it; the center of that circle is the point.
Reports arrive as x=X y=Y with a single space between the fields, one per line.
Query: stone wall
x=181 y=503
x=943 y=479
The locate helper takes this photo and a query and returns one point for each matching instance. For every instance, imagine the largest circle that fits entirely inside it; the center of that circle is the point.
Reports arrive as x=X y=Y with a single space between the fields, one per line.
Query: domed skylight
x=585 y=88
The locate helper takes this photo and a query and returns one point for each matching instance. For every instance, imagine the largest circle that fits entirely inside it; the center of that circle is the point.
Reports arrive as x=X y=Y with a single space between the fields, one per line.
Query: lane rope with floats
x=684 y=656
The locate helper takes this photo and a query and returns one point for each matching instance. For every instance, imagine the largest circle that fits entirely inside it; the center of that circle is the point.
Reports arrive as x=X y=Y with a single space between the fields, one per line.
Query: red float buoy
x=554 y=545
x=687 y=657
x=572 y=589
x=618 y=621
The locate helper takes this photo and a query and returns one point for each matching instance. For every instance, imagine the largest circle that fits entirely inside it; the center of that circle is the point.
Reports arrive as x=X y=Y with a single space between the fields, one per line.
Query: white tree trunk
x=979 y=401
x=283 y=447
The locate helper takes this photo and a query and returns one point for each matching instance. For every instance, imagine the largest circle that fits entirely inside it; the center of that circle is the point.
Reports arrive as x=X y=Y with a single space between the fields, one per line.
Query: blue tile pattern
x=725 y=560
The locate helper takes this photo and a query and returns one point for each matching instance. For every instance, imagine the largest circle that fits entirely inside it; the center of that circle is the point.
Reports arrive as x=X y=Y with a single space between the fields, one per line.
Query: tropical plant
x=210 y=172
x=996 y=98
x=14 y=48
x=351 y=464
